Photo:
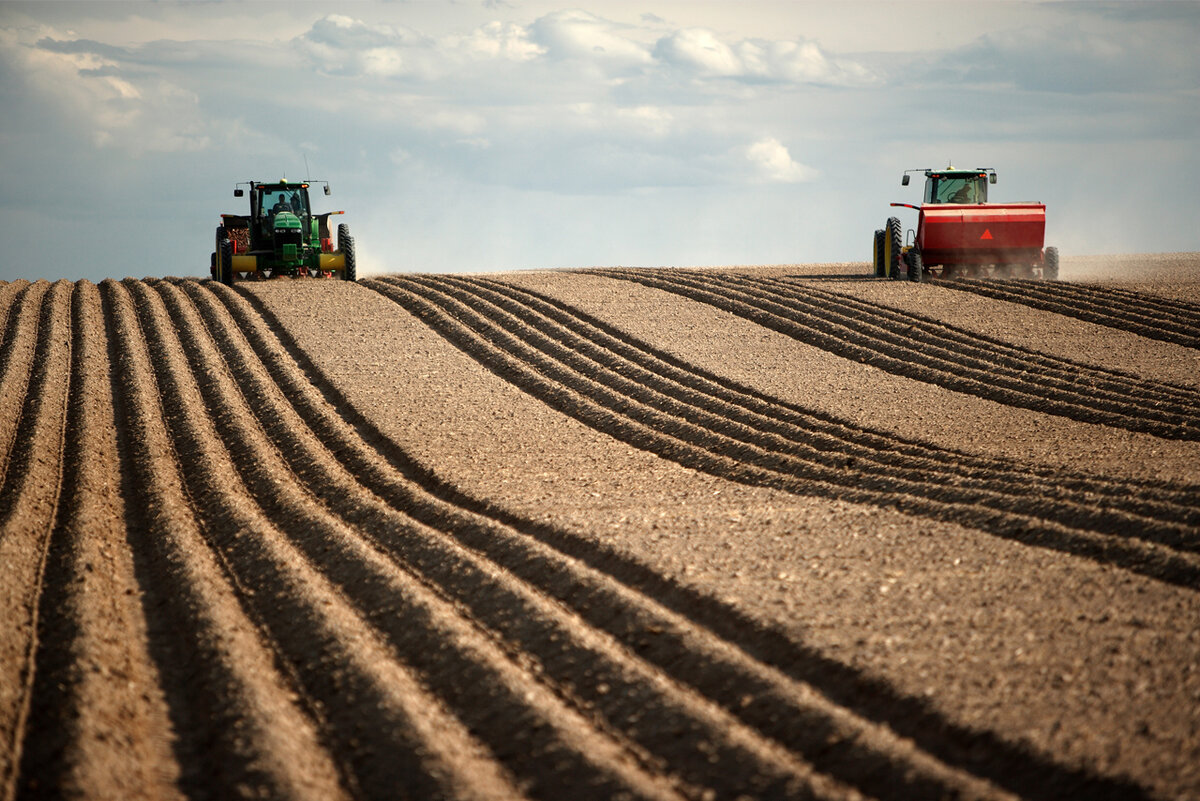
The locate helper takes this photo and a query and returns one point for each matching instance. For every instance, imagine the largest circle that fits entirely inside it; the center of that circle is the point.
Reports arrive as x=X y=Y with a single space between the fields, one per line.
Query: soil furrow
x=103 y=729
x=704 y=745
x=1145 y=315
x=788 y=715
x=28 y=509
x=931 y=477
x=705 y=449
x=971 y=378
x=830 y=433
x=946 y=359
x=1006 y=362
x=381 y=723
x=839 y=440
x=238 y=728
x=614 y=682
x=16 y=363
x=483 y=688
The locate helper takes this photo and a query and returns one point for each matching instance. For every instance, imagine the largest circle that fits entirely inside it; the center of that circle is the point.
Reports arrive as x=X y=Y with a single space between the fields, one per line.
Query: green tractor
x=281 y=237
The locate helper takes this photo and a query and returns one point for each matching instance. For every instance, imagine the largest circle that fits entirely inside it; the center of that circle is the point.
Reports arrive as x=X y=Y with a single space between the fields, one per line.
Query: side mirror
x=327 y=189
x=238 y=193
x=992 y=178
x=904 y=180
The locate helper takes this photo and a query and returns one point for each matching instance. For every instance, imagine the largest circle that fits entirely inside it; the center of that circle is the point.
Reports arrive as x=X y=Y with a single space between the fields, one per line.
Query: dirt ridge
x=957 y=365
x=577 y=391
x=219 y=579
x=1140 y=313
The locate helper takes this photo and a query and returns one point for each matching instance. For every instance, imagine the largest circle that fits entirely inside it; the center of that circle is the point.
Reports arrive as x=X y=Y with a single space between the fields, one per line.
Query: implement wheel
x=877 y=254
x=916 y=265
x=893 y=240
x=346 y=246
x=1050 y=265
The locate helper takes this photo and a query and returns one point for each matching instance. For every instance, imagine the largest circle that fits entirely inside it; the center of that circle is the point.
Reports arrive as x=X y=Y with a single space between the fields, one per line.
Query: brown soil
x=762 y=532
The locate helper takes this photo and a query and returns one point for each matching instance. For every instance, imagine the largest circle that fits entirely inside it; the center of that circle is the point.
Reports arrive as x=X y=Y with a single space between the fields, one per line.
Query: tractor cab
x=956 y=186
x=275 y=208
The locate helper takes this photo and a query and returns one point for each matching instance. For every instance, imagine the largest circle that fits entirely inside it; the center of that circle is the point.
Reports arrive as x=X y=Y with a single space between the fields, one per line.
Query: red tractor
x=960 y=233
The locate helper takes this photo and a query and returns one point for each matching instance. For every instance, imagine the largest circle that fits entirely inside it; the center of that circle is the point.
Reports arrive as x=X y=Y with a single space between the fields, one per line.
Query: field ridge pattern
x=931 y=351
x=275 y=601
x=634 y=395
x=1139 y=313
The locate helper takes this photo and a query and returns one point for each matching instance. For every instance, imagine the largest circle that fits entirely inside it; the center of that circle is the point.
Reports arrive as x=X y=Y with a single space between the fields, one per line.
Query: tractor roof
x=952 y=172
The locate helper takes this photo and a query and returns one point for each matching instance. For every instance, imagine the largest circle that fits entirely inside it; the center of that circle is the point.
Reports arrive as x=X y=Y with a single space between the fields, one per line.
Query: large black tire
x=893 y=241
x=215 y=265
x=916 y=265
x=1050 y=265
x=225 y=262
x=346 y=246
x=877 y=254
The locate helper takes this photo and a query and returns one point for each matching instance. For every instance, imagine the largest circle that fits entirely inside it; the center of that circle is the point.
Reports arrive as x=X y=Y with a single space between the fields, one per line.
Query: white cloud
x=701 y=53
x=587 y=37
x=505 y=40
x=772 y=162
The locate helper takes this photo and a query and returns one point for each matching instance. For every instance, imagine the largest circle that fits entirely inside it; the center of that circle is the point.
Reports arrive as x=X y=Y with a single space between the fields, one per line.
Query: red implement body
x=959 y=232
x=987 y=233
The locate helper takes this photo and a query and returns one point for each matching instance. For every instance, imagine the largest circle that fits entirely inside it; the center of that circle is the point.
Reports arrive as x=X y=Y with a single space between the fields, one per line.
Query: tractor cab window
x=277 y=200
x=954 y=189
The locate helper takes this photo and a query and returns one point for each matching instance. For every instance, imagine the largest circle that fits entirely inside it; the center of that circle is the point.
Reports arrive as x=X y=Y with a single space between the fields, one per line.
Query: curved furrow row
x=93 y=665
x=680 y=730
x=16 y=362
x=29 y=496
x=577 y=391
x=308 y=595
x=240 y=725
x=961 y=371
x=1008 y=365
x=1137 y=312
x=9 y=297
x=1079 y=500
x=475 y=562
x=706 y=747
x=840 y=437
x=1003 y=358
x=674 y=629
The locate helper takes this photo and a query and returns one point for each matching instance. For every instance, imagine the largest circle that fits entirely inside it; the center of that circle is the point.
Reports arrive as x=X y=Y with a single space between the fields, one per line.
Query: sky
x=481 y=135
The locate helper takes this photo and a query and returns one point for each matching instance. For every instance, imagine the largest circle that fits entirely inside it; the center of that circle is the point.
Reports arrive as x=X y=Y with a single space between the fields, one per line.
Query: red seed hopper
x=960 y=233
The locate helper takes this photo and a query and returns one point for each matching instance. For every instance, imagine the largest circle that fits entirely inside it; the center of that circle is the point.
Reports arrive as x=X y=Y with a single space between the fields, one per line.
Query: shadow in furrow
x=373 y=715
x=29 y=497
x=1125 y=310
x=707 y=450
x=1003 y=359
x=839 y=442
x=981 y=753
x=600 y=675
x=891 y=351
x=224 y=712
x=716 y=408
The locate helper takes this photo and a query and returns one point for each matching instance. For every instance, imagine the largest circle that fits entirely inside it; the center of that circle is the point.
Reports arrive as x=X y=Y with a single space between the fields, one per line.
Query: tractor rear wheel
x=346 y=246
x=225 y=262
x=1050 y=265
x=877 y=254
x=893 y=241
x=916 y=266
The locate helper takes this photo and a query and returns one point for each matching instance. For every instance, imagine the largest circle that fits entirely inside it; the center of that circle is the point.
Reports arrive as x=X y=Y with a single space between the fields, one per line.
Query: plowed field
x=786 y=532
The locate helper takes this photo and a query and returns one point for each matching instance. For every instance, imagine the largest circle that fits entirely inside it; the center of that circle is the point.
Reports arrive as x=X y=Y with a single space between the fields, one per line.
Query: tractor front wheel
x=893 y=241
x=346 y=246
x=1050 y=265
x=877 y=254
